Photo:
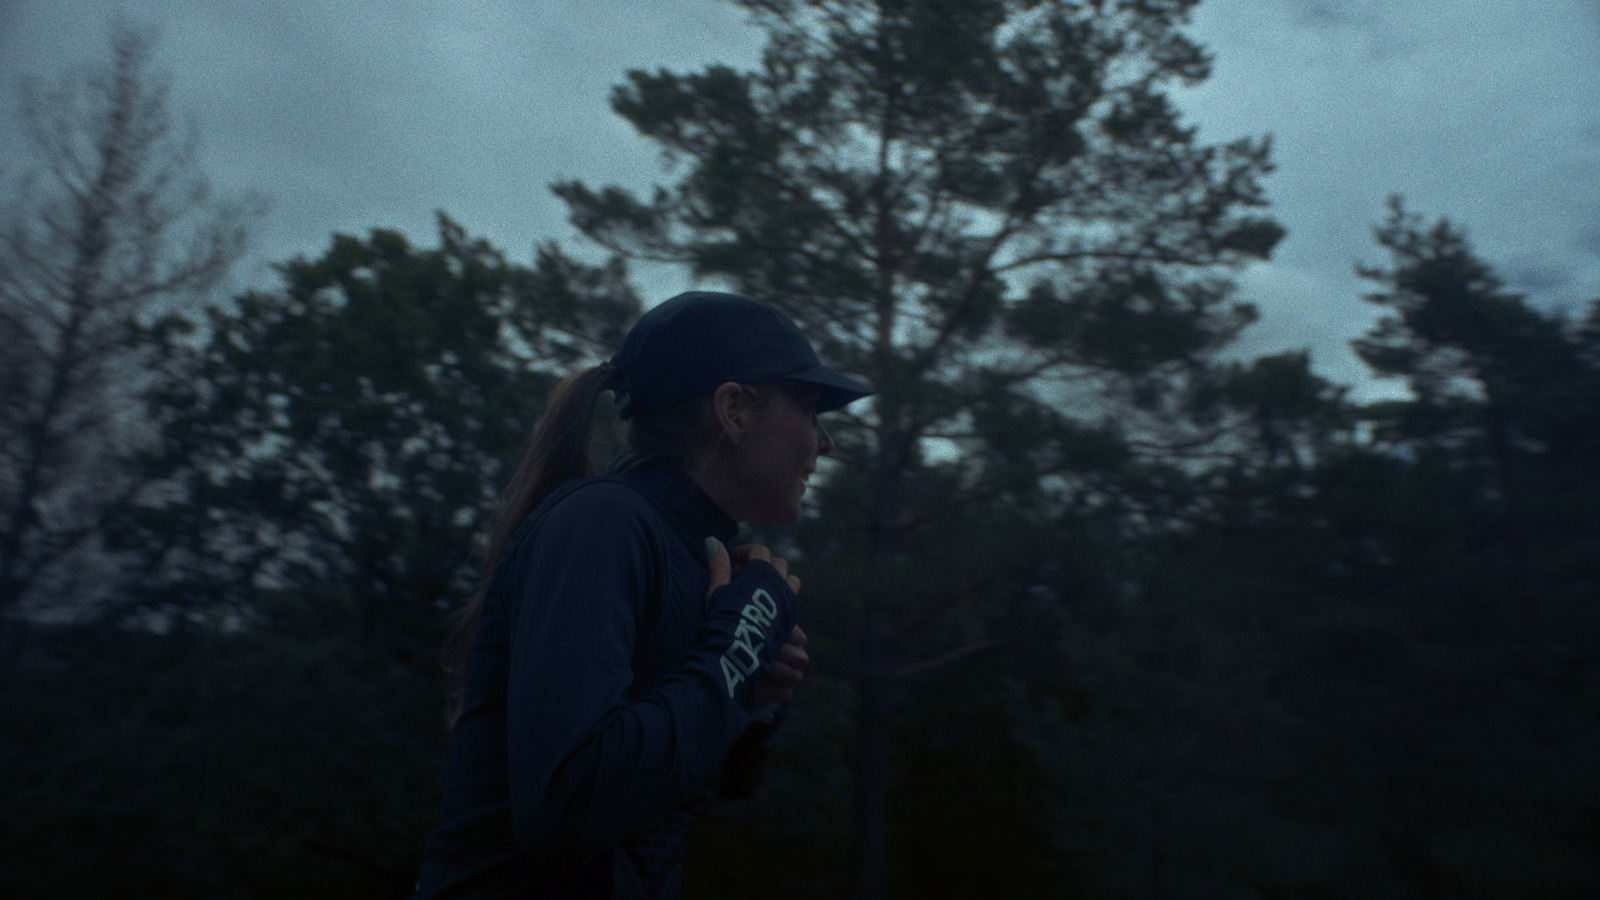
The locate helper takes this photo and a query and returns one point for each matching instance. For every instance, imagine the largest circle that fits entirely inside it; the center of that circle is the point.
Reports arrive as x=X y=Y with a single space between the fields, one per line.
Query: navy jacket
x=604 y=693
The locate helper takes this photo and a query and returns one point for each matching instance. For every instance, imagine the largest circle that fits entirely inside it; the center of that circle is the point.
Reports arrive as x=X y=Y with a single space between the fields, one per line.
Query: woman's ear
x=732 y=407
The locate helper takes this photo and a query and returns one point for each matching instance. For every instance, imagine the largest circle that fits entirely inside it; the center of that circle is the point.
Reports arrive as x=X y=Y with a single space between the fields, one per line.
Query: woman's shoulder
x=603 y=496
x=600 y=509
x=597 y=515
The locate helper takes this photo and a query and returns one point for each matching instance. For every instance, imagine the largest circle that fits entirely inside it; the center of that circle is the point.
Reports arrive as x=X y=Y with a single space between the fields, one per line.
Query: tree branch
x=947 y=658
x=1075 y=255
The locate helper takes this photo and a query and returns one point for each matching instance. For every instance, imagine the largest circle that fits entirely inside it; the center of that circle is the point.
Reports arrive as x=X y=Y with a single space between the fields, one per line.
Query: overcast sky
x=350 y=116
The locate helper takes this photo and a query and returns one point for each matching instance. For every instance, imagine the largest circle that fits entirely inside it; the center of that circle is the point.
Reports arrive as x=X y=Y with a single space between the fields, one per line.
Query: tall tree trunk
x=1512 y=529
x=876 y=730
x=875 y=699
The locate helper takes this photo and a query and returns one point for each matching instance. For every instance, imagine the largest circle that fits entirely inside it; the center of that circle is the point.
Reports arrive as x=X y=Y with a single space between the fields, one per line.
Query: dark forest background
x=1096 y=610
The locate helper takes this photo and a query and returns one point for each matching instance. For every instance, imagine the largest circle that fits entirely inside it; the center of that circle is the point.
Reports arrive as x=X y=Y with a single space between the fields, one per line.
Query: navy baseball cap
x=696 y=341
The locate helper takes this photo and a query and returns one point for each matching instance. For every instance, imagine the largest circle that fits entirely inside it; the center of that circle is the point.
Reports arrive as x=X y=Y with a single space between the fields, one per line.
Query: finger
x=793 y=657
x=746 y=552
x=771 y=692
x=796 y=637
x=784 y=674
x=718 y=564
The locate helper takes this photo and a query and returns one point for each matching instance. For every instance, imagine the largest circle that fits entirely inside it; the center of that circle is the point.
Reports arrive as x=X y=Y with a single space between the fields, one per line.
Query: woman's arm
x=588 y=768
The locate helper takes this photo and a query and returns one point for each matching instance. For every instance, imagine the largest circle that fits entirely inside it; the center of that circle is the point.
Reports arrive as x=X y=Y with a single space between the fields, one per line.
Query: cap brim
x=837 y=390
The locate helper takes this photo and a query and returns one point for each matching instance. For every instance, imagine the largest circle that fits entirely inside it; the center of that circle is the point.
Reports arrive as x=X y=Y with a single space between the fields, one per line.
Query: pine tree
x=350 y=431
x=989 y=209
x=1495 y=382
x=1449 y=562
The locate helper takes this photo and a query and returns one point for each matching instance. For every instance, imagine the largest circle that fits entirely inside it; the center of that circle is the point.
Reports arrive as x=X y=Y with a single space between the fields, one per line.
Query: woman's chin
x=782 y=517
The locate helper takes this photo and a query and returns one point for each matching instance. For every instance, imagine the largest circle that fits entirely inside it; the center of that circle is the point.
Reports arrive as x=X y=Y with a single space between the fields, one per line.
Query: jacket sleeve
x=746 y=760
x=587 y=767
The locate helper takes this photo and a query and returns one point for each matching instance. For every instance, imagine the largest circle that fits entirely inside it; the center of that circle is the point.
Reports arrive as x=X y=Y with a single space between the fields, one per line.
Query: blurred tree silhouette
x=351 y=429
x=1137 y=623
x=1423 y=605
x=112 y=232
x=1495 y=382
x=991 y=211
x=263 y=714
x=1479 y=657
x=283 y=759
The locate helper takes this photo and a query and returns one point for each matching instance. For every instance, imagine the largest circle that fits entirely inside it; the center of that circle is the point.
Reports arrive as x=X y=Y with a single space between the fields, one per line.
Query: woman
x=610 y=668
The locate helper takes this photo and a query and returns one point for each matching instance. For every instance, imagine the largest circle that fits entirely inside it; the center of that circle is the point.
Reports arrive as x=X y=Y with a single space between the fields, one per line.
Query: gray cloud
x=351 y=116
x=1474 y=110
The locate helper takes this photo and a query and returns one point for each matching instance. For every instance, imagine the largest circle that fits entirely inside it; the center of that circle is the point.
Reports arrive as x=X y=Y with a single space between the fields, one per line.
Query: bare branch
x=945 y=659
x=112 y=229
x=1076 y=255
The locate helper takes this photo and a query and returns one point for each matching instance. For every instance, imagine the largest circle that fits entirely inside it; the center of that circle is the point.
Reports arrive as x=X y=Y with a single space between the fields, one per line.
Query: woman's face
x=777 y=453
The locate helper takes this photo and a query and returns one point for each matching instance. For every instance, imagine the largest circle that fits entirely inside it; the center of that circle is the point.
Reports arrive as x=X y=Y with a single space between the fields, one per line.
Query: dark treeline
x=1093 y=612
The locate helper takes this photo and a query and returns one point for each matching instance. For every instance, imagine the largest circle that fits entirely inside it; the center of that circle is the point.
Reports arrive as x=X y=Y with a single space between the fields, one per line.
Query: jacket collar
x=671 y=487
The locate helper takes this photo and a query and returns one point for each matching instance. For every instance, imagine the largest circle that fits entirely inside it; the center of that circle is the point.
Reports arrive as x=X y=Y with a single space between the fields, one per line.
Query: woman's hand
x=788 y=667
x=724 y=568
x=789 y=663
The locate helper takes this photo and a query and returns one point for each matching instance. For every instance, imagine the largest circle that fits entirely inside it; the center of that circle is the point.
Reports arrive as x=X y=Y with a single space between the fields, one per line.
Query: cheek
x=805 y=443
